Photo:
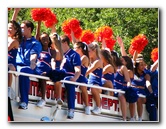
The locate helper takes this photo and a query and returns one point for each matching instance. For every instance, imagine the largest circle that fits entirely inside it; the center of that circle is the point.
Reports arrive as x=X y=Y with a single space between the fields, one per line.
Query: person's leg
x=24 y=83
x=132 y=107
x=123 y=106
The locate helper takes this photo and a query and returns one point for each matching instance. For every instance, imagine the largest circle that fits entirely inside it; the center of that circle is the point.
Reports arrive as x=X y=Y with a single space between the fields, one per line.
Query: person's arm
x=76 y=74
x=154 y=66
x=135 y=57
x=53 y=59
x=148 y=84
x=94 y=66
x=33 y=59
x=15 y=13
x=13 y=44
x=108 y=69
x=103 y=44
x=126 y=75
x=74 y=40
x=121 y=44
x=53 y=29
x=38 y=30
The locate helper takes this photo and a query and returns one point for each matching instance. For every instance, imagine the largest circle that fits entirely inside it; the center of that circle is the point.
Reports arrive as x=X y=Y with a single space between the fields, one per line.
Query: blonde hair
x=95 y=46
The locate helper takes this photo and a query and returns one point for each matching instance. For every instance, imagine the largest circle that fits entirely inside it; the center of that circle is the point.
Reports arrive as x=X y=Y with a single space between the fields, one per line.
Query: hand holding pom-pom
x=154 y=54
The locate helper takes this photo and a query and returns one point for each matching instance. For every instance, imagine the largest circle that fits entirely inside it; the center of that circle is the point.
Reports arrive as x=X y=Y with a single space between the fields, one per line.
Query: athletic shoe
x=59 y=101
x=11 y=93
x=23 y=105
x=96 y=110
x=41 y=103
x=132 y=119
x=87 y=110
x=70 y=114
x=139 y=119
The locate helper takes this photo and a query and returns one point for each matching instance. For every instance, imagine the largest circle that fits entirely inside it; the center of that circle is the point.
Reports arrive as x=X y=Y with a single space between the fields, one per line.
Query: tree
x=125 y=22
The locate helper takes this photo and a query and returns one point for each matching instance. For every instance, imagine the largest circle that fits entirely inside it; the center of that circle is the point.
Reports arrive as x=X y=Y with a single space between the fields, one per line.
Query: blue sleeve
x=76 y=59
x=36 y=49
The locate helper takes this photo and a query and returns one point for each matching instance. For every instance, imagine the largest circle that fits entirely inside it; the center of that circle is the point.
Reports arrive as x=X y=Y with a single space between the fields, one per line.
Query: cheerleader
x=108 y=70
x=142 y=82
x=14 y=39
x=119 y=77
x=82 y=49
x=95 y=74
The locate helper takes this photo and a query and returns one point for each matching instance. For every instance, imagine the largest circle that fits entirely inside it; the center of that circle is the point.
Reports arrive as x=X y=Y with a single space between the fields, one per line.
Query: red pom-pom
x=65 y=27
x=51 y=20
x=131 y=50
x=87 y=36
x=138 y=43
x=78 y=33
x=74 y=24
x=105 y=32
x=9 y=9
x=110 y=43
x=154 y=54
x=40 y=14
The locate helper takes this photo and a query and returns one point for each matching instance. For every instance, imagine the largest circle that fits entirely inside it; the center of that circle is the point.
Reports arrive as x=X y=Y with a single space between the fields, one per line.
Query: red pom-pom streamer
x=105 y=32
x=72 y=25
x=40 y=14
x=110 y=43
x=51 y=20
x=138 y=43
x=154 y=54
x=87 y=36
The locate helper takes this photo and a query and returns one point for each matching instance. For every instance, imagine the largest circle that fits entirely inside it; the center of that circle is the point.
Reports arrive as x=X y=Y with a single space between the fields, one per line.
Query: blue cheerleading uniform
x=12 y=56
x=44 y=62
x=154 y=81
x=82 y=77
x=95 y=77
x=108 y=76
x=58 y=63
x=140 y=82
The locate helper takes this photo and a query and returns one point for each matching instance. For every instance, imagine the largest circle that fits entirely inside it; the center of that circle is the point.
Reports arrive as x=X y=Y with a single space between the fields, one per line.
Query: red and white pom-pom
x=154 y=54
x=87 y=36
x=40 y=14
x=51 y=20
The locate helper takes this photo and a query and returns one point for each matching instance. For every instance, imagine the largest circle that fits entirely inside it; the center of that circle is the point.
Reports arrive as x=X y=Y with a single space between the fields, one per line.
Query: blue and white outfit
x=43 y=62
x=26 y=49
x=12 y=56
x=118 y=81
x=95 y=77
x=82 y=77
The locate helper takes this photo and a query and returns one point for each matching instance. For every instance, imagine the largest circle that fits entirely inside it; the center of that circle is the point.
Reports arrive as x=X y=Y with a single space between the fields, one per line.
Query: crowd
x=52 y=55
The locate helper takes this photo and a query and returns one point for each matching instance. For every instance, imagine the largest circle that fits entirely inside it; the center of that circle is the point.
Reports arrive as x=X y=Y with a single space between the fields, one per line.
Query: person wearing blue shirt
x=26 y=58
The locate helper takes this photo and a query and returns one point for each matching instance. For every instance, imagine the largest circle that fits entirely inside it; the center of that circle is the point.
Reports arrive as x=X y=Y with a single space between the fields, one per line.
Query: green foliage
x=125 y=22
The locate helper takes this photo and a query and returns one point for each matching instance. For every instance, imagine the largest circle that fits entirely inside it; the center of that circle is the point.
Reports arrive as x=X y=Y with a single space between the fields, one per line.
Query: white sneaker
x=41 y=103
x=139 y=118
x=59 y=101
x=132 y=119
x=70 y=114
x=96 y=110
x=11 y=93
x=87 y=110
